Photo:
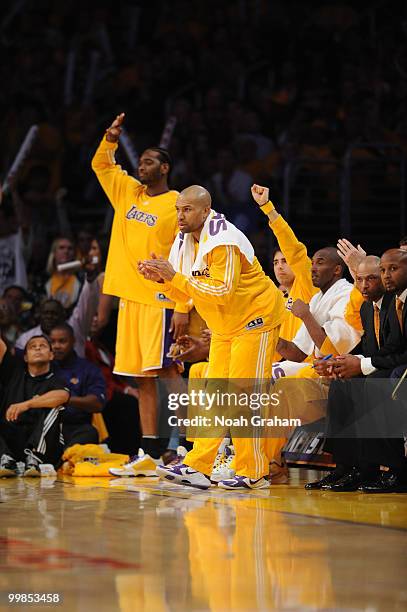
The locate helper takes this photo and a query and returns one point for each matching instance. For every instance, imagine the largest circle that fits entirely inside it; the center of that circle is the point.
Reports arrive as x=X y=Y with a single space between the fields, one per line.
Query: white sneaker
x=8 y=467
x=243 y=482
x=138 y=466
x=221 y=468
x=184 y=475
x=32 y=464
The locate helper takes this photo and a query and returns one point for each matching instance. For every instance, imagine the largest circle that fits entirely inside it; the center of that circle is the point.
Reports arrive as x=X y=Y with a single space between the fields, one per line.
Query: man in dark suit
x=388 y=417
x=346 y=396
x=356 y=408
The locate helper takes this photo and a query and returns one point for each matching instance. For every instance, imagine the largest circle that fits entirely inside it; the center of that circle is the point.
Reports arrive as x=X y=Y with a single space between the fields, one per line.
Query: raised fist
x=260 y=194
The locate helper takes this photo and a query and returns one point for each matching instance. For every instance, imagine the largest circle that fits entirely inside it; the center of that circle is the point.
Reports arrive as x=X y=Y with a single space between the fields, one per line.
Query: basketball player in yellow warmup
x=145 y=220
x=292 y=259
x=294 y=265
x=213 y=263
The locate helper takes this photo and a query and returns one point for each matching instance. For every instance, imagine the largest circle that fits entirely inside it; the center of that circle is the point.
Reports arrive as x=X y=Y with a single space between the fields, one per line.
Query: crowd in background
x=252 y=84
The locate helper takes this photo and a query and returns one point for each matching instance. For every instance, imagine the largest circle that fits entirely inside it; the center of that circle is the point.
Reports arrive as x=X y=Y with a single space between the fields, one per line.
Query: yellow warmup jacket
x=142 y=225
x=296 y=256
x=232 y=294
x=352 y=311
x=351 y=316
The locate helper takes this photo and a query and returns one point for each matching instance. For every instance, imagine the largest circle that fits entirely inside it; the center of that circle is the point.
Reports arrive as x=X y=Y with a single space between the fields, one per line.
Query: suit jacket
x=394 y=351
x=368 y=346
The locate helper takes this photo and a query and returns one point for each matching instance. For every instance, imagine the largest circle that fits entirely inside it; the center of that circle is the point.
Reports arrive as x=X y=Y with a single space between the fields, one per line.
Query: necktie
x=399 y=312
x=376 y=321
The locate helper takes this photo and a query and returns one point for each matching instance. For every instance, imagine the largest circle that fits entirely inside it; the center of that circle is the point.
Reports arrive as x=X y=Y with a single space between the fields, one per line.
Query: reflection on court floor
x=150 y=546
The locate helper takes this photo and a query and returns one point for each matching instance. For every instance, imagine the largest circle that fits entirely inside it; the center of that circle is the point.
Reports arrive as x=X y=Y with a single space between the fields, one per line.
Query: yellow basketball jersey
x=142 y=225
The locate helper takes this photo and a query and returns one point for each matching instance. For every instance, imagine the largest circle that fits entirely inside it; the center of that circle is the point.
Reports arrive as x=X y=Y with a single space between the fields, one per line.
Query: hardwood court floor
x=135 y=545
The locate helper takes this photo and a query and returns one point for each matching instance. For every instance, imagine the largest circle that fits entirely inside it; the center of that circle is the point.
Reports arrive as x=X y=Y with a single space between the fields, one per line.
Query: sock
x=154 y=446
x=186 y=443
x=151 y=446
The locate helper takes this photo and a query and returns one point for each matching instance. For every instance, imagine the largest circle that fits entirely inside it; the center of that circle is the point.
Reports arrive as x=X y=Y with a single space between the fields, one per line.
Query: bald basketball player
x=214 y=264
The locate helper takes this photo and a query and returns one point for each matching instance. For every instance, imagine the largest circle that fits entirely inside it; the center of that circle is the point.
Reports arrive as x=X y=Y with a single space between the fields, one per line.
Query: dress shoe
x=349 y=482
x=388 y=482
x=329 y=479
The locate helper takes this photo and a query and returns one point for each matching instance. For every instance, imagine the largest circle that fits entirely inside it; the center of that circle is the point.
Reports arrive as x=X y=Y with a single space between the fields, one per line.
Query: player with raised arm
x=145 y=220
x=292 y=268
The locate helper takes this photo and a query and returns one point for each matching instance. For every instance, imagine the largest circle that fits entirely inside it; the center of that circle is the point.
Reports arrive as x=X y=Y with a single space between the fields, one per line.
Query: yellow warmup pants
x=274 y=446
x=246 y=356
x=199 y=370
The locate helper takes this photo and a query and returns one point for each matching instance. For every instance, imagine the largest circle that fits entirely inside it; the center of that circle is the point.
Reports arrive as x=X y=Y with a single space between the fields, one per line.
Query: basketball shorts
x=143 y=339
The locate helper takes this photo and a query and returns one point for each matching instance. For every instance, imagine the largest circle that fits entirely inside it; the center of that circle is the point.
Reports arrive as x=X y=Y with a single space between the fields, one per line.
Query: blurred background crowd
x=267 y=92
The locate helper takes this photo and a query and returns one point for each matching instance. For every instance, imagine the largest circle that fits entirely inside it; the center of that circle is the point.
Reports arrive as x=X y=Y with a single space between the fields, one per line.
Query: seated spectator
x=52 y=313
x=86 y=385
x=63 y=286
x=30 y=404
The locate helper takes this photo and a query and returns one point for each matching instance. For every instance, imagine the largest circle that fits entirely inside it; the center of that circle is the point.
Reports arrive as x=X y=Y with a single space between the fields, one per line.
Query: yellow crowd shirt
x=295 y=254
x=231 y=294
x=142 y=225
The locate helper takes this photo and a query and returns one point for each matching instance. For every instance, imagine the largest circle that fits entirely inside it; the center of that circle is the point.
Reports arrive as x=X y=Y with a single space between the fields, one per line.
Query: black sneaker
x=32 y=464
x=327 y=481
x=8 y=467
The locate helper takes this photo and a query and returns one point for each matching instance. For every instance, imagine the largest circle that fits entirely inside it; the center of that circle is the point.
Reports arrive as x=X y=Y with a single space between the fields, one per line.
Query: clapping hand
x=157 y=267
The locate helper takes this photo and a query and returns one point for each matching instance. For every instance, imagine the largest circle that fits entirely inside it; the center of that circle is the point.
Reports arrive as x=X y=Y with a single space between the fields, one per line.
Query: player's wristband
x=267 y=207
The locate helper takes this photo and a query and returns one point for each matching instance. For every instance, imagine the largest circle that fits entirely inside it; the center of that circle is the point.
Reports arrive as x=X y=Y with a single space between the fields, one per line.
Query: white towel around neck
x=217 y=231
